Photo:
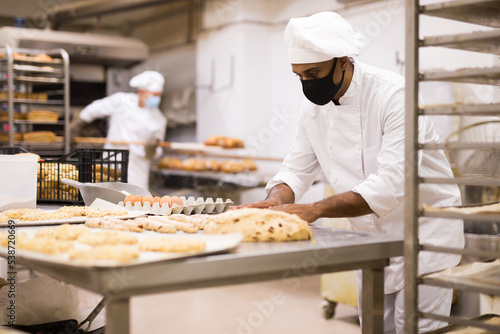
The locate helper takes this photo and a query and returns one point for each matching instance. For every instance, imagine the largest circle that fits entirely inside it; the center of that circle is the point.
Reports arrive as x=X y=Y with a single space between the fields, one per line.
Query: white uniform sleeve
x=300 y=166
x=384 y=190
x=100 y=108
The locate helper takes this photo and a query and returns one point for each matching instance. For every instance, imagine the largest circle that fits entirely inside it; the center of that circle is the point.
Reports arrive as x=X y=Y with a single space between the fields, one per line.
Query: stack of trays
x=190 y=206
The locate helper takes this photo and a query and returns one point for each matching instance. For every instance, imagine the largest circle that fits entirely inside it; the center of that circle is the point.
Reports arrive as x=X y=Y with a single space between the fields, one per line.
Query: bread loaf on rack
x=43 y=116
x=40 y=136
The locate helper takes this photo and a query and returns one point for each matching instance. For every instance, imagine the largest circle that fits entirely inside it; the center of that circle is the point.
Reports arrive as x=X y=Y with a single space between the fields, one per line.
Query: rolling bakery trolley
x=480 y=277
x=34 y=89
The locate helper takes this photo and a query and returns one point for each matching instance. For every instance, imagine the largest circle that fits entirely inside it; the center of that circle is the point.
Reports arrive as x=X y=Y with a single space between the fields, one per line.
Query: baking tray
x=74 y=220
x=214 y=244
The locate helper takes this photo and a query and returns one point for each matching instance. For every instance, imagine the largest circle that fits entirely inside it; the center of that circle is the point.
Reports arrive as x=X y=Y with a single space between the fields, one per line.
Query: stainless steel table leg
x=372 y=300
x=118 y=316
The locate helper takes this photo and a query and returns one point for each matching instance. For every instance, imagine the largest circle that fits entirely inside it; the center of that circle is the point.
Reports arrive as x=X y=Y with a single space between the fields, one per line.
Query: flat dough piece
x=107 y=238
x=19 y=238
x=46 y=245
x=165 y=244
x=180 y=226
x=115 y=224
x=62 y=232
x=107 y=252
x=153 y=225
x=198 y=220
x=260 y=225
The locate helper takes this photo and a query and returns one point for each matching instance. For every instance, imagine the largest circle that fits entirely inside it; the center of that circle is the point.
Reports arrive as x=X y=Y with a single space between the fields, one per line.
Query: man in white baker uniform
x=133 y=117
x=351 y=127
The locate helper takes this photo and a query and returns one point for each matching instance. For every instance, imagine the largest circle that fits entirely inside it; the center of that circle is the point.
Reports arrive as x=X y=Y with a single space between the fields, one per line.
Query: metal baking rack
x=31 y=77
x=484 y=279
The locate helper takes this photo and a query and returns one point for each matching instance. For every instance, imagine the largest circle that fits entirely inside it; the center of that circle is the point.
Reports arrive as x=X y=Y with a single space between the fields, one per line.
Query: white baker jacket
x=129 y=122
x=359 y=146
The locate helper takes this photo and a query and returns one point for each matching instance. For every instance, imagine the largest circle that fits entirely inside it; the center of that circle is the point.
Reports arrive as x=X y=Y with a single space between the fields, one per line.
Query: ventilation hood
x=81 y=47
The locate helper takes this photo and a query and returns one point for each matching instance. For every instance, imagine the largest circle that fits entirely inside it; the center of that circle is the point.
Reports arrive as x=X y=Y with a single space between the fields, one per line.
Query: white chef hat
x=151 y=81
x=321 y=37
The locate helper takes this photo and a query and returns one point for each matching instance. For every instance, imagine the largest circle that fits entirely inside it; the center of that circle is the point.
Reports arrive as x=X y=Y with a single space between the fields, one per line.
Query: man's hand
x=308 y=212
x=256 y=205
x=150 y=148
x=279 y=194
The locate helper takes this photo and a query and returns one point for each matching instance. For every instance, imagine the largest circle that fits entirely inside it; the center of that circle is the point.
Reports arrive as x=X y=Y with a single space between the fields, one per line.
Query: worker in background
x=133 y=117
x=352 y=128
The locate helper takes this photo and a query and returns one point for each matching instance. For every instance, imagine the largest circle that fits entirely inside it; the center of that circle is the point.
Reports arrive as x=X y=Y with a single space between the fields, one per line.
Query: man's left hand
x=304 y=211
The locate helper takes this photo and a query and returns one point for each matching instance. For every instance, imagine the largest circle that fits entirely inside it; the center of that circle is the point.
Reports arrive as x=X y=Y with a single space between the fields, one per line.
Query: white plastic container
x=18 y=181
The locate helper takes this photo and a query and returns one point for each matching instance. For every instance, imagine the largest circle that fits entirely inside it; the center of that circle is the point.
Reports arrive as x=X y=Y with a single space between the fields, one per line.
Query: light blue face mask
x=152 y=101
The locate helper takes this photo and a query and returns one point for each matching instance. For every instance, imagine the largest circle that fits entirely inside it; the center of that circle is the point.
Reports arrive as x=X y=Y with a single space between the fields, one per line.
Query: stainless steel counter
x=330 y=251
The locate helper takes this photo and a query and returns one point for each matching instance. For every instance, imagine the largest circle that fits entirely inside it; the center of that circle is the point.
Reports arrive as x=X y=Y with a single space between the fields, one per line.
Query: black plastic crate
x=83 y=165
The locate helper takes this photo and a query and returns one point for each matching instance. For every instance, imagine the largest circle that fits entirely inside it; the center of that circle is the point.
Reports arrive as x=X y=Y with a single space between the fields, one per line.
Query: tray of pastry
x=79 y=245
x=65 y=214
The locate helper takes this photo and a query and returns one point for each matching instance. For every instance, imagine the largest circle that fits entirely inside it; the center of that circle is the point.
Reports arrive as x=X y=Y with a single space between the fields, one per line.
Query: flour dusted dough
x=62 y=232
x=46 y=245
x=198 y=220
x=107 y=252
x=154 y=225
x=115 y=224
x=167 y=244
x=178 y=225
x=260 y=225
x=107 y=238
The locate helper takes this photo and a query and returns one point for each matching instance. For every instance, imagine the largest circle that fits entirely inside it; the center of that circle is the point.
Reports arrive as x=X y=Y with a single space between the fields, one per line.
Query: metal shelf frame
x=62 y=73
x=491 y=109
x=40 y=102
x=482 y=12
x=480 y=41
x=480 y=76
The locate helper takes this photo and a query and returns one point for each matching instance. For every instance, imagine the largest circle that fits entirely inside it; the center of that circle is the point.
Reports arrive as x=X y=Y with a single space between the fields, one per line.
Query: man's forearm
x=281 y=194
x=349 y=204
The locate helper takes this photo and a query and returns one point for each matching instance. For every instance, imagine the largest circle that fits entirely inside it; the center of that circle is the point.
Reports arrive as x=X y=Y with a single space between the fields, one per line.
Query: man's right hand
x=279 y=195
x=256 y=205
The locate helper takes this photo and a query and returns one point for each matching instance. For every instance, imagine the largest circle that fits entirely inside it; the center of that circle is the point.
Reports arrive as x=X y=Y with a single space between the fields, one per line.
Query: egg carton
x=190 y=206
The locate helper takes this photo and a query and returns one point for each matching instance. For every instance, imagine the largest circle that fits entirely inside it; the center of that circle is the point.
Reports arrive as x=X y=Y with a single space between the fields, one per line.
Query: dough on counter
x=260 y=225
x=46 y=245
x=62 y=232
x=115 y=224
x=107 y=238
x=107 y=252
x=172 y=244
x=180 y=226
x=154 y=225
x=198 y=220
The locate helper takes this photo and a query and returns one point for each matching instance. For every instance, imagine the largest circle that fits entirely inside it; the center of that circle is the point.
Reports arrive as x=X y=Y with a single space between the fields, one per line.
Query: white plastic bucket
x=18 y=175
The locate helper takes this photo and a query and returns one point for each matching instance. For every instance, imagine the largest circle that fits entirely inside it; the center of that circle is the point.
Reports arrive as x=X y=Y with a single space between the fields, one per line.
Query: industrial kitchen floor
x=282 y=306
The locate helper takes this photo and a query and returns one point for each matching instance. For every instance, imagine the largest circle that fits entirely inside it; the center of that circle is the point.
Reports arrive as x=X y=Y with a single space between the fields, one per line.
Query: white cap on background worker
x=150 y=81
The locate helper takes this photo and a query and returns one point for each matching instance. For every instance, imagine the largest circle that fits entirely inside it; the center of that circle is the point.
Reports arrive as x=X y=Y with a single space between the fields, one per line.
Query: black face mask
x=323 y=90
